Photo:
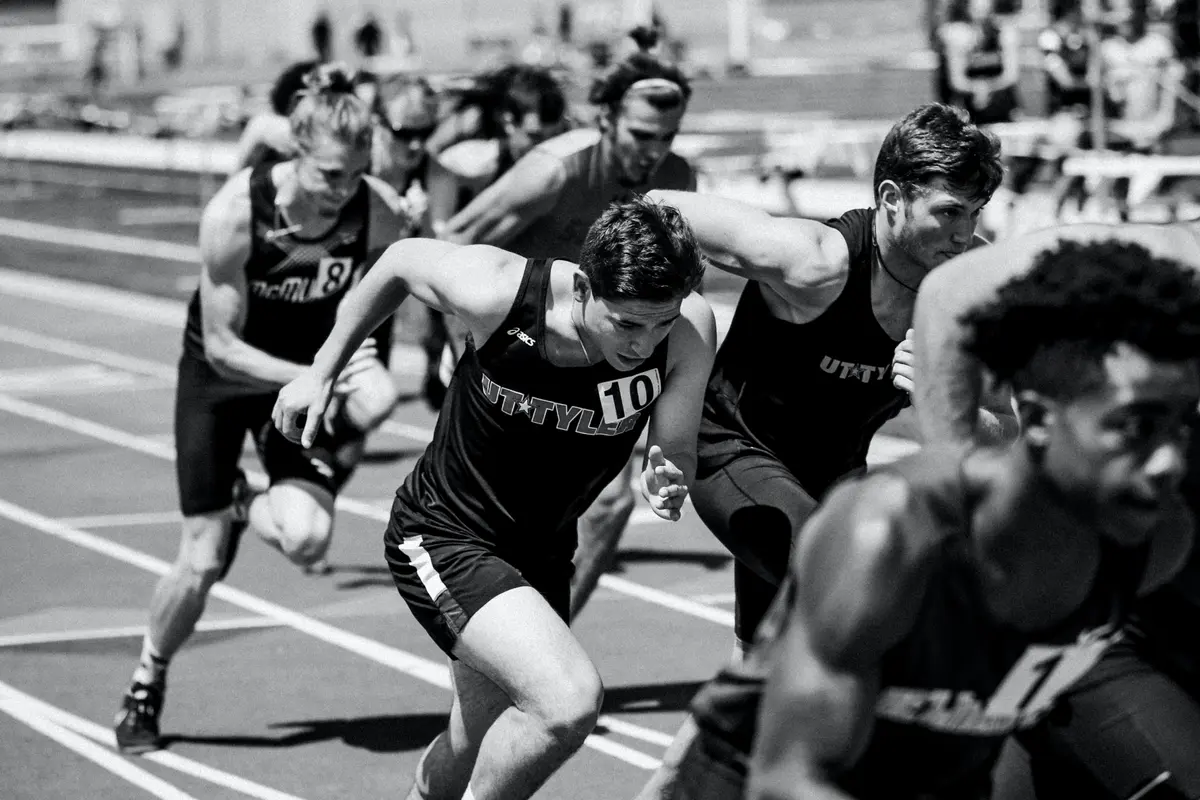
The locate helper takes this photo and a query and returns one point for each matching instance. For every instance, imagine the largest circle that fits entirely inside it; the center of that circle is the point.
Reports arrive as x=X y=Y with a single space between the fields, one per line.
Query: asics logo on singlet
x=333 y=275
x=847 y=370
x=585 y=421
x=1028 y=691
x=522 y=335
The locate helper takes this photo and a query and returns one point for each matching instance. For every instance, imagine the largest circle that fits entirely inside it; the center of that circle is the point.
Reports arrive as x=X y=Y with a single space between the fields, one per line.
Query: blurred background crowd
x=1096 y=100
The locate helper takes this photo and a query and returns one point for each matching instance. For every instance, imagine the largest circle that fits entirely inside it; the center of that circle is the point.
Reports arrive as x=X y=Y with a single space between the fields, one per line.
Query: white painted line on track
x=16 y=704
x=123 y=520
x=104 y=736
x=399 y=660
x=96 y=634
x=98 y=355
x=668 y=600
x=95 y=240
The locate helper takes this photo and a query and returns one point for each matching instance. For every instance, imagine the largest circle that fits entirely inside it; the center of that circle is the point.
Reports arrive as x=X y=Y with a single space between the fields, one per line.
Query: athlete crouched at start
x=281 y=244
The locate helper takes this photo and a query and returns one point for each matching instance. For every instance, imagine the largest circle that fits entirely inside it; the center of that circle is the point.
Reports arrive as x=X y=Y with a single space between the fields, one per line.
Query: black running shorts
x=446 y=575
x=212 y=417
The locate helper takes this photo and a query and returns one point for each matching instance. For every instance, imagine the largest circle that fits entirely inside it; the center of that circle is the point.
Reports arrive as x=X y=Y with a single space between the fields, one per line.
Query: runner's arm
x=675 y=417
x=224 y=250
x=946 y=397
x=805 y=262
x=263 y=133
x=852 y=593
x=522 y=195
x=476 y=284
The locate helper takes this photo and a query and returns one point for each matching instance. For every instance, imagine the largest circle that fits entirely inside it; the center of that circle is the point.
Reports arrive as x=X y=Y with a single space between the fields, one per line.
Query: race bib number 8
x=332 y=275
x=625 y=397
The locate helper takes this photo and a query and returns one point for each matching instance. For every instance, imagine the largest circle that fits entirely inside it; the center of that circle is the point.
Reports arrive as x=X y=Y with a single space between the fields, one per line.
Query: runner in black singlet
x=565 y=365
x=280 y=247
x=544 y=205
x=938 y=604
x=1137 y=715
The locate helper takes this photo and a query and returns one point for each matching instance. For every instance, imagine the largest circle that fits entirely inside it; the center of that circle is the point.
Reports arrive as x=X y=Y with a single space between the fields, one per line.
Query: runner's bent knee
x=304 y=517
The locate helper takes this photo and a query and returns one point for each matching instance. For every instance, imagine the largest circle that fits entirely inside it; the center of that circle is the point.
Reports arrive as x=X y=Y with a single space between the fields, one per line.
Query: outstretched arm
x=670 y=464
x=949 y=380
x=525 y=193
x=475 y=283
x=803 y=261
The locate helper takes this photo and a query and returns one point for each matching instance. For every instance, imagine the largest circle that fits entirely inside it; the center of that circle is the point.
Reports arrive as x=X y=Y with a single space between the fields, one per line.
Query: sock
x=152 y=668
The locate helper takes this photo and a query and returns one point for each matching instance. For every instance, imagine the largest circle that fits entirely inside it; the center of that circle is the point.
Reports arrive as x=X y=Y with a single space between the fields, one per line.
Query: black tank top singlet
x=812 y=394
x=293 y=285
x=959 y=682
x=522 y=447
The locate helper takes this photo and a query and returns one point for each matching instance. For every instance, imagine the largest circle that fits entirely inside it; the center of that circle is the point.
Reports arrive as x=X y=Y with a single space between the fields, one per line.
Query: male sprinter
x=280 y=246
x=817 y=357
x=1136 y=716
x=564 y=367
x=544 y=205
x=938 y=604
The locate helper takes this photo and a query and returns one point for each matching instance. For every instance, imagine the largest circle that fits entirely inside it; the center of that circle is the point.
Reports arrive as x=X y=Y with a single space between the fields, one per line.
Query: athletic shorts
x=212 y=417
x=446 y=575
x=1122 y=725
x=755 y=506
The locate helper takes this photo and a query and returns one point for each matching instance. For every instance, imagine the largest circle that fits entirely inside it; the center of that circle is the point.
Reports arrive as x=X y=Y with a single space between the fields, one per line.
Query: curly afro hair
x=1049 y=330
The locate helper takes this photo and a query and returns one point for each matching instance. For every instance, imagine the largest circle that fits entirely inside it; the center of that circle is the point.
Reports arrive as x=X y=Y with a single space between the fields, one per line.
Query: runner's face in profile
x=330 y=172
x=1118 y=449
x=640 y=137
x=626 y=331
x=935 y=224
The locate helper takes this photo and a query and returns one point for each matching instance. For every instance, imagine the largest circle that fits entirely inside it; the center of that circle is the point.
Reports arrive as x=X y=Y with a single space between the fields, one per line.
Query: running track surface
x=310 y=687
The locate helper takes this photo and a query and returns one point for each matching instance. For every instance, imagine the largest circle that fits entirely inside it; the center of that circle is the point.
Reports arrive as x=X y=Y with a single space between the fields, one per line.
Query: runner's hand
x=300 y=407
x=662 y=483
x=902 y=364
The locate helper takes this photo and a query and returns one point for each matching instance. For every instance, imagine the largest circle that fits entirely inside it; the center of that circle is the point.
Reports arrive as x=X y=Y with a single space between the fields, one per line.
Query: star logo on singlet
x=525 y=407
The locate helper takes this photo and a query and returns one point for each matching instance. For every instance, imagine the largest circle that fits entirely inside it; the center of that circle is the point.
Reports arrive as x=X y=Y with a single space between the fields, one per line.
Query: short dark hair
x=288 y=85
x=641 y=250
x=1049 y=330
x=939 y=141
x=609 y=90
x=511 y=89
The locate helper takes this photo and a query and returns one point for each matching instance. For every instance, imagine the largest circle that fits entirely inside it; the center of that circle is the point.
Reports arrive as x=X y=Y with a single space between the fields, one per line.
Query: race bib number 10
x=625 y=397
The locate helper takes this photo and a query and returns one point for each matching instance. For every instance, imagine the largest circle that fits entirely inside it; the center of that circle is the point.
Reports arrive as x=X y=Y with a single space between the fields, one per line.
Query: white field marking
x=668 y=600
x=71 y=379
x=123 y=520
x=637 y=732
x=158 y=215
x=721 y=598
x=95 y=240
x=96 y=634
x=399 y=660
x=17 y=706
x=85 y=352
x=104 y=736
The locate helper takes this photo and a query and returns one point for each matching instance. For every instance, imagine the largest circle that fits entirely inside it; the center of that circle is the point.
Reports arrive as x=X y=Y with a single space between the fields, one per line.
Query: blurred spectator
x=322 y=37
x=982 y=60
x=1142 y=77
x=1066 y=61
x=368 y=38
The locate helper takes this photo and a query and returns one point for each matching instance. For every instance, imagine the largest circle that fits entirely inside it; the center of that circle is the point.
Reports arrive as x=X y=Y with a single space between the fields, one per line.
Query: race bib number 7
x=1043 y=673
x=624 y=397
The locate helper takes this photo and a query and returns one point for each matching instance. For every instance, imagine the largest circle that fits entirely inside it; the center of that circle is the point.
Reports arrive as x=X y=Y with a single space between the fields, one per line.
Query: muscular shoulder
x=694 y=335
x=225 y=223
x=862 y=568
x=570 y=146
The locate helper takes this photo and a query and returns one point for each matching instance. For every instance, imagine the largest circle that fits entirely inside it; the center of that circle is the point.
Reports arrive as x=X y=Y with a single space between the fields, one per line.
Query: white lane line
x=668 y=600
x=720 y=598
x=637 y=732
x=96 y=634
x=133 y=306
x=362 y=508
x=16 y=704
x=123 y=520
x=85 y=352
x=399 y=660
x=104 y=736
x=95 y=240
